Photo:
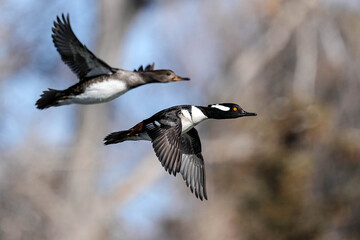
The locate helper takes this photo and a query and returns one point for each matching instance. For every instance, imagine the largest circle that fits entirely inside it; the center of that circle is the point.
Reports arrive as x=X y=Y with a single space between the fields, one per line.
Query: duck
x=176 y=142
x=98 y=82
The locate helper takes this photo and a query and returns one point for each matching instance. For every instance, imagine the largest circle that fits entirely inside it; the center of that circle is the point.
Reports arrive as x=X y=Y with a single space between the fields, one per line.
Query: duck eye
x=168 y=73
x=235 y=109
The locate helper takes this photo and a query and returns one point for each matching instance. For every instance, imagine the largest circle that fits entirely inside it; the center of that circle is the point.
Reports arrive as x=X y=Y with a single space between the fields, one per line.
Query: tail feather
x=49 y=98
x=117 y=137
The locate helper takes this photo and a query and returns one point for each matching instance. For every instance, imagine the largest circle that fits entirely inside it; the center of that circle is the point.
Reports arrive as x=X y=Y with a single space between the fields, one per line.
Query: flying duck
x=98 y=81
x=175 y=140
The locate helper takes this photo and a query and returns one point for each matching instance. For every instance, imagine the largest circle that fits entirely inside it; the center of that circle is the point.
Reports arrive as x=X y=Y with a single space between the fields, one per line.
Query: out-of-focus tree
x=293 y=172
x=290 y=173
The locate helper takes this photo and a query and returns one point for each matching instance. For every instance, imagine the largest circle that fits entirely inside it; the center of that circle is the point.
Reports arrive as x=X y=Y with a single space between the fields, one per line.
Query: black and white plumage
x=98 y=81
x=175 y=140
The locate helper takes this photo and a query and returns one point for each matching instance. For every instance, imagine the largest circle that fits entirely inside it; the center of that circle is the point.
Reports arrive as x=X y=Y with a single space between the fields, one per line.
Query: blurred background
x=292 y=172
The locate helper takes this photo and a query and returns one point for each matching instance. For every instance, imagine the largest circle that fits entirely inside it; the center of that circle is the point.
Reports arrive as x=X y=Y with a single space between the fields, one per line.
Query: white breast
x=103 y=91
x=197 y=115
x=188 y=120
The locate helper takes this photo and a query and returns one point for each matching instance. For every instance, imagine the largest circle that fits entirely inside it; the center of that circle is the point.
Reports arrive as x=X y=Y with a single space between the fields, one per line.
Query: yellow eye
x=235 y=108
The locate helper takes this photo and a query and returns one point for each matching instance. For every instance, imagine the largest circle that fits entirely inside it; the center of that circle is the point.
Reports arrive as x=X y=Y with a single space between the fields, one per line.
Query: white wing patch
x=157 y=123
x=220 y=107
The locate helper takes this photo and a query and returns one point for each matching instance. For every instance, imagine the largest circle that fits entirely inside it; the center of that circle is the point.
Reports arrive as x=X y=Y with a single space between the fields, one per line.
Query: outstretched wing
x=165 y=135
x=192 y=163
x=76 y=55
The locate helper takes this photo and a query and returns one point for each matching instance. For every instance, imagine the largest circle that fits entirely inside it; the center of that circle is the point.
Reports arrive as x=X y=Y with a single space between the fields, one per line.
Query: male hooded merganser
x=98 y=81
x=175 y=140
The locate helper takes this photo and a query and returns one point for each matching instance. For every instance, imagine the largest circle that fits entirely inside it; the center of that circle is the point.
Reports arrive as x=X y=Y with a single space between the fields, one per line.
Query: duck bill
x=247 y=114
x=177 y=78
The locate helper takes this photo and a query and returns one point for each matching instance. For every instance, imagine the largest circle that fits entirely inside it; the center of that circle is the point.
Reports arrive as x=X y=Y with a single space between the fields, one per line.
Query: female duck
x=98 y=81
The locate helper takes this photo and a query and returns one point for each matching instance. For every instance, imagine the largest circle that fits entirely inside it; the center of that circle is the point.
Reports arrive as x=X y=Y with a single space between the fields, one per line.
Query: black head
x=226 y=110
x=165 y=76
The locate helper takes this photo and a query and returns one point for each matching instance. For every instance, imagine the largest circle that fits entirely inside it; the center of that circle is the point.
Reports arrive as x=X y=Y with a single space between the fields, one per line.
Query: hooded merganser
x=98 y=81
x=175 y=140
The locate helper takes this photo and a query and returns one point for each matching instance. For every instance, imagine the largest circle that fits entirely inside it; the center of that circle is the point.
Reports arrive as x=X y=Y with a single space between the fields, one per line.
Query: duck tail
x=49 y=98
x=117 y=137
x=133 y=134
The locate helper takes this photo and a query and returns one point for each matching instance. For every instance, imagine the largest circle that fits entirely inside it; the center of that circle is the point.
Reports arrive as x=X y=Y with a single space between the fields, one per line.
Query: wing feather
x=166 y=141
x=193 y=168
x=76 y=55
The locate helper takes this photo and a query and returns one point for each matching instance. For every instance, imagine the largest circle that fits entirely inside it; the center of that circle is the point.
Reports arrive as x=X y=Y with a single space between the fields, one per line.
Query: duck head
x=225 y=111
x=164 y=76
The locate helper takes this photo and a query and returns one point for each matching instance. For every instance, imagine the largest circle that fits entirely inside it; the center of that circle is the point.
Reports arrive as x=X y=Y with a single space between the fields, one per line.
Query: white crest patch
x=220 y=107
